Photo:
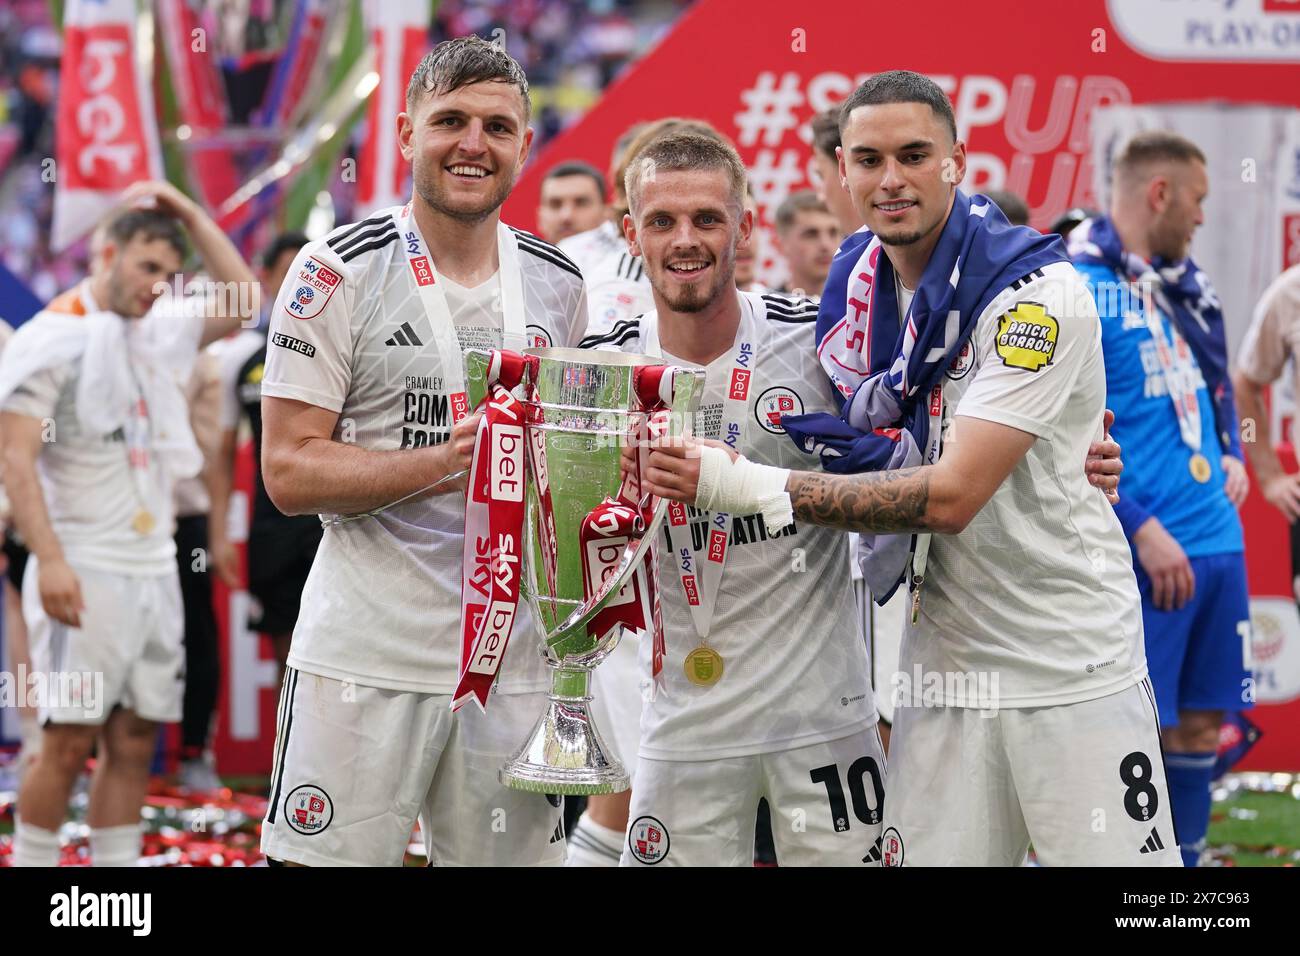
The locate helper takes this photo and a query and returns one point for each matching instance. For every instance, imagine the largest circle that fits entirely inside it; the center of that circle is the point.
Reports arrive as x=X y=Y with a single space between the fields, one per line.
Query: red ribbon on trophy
x=609 y=528
x=494 y=524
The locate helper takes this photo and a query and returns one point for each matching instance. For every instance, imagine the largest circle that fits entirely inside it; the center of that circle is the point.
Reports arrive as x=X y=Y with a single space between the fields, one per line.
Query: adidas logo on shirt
x=1153 y=843
x=873 y=855
x=404 y=336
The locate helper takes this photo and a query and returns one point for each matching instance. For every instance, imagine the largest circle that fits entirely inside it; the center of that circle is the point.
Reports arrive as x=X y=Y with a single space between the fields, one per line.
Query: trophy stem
x=571 y=683
x=565 y=753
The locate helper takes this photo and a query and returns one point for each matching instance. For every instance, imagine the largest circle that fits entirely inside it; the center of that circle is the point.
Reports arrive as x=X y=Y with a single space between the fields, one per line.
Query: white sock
x=115 y=846
x=35 y=846
x=592 y=844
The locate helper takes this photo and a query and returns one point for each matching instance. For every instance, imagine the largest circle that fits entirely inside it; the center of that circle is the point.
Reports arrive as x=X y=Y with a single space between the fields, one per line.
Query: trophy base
x=565 y=754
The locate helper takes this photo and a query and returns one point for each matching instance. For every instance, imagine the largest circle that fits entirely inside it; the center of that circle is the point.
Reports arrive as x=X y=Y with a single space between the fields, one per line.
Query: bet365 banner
x=107 y=132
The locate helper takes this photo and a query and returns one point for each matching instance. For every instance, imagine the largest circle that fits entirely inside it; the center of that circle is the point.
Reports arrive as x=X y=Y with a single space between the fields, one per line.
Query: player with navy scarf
x=1162 y=334
x=970 y=355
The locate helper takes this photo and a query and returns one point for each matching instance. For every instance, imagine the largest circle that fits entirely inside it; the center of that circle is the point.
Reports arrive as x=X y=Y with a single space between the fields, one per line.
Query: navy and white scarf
x=886 y=372
x=1184 y=293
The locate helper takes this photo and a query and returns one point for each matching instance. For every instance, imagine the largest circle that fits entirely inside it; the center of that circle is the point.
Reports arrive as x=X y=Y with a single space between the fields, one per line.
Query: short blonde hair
x=681 y=150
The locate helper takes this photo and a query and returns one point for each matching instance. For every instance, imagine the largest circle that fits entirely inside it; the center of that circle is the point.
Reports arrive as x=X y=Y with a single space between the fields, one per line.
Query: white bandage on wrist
x=743 y=487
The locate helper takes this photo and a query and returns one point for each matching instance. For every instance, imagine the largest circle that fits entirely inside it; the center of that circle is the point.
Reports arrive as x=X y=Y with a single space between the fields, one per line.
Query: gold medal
x=703 y=666
x=143 y=522
x=1200 y=468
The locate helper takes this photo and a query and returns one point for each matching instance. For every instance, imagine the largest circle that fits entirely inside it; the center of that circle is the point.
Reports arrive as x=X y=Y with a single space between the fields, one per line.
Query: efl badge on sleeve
x=311 y=289
x=1027 y=337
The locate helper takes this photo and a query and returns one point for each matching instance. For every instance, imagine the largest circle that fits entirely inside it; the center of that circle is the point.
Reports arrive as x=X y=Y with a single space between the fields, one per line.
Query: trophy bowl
x=583 y=410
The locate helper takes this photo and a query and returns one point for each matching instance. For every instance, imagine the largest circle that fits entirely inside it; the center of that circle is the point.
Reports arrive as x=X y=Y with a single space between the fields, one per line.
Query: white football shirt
x=1035 y=600
x=786 y=622
x=86 y=480
x=382 y=603
x=585 y=249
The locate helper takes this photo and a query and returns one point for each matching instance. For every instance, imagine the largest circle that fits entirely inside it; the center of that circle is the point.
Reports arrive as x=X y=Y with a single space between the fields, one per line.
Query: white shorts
x=355 y=766
x=826 y=800
x=128 y=652
x=616 y=702
x=1085 y=783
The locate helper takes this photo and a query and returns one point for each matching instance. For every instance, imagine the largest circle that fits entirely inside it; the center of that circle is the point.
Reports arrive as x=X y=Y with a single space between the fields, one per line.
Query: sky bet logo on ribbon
x=740 y=375
x=419 y=264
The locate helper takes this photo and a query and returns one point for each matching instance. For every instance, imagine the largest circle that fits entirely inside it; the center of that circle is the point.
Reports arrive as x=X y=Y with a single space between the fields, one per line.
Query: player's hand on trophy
x=1103 y=465
x=161 y=195
x=60 y=591
x=674 y=466
x=1173 y=583
x=460 y=446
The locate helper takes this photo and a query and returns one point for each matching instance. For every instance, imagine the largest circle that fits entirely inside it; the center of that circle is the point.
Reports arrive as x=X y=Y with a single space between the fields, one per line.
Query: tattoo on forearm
x=881 y=502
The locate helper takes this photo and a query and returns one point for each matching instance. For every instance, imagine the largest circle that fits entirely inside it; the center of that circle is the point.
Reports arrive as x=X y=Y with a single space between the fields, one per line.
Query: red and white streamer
x=494 y=524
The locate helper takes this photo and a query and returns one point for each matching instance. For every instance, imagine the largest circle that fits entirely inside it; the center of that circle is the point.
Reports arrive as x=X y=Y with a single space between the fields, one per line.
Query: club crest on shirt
x=308 y=809
x=774 y=403
x=1027 y=337
x=891 y=848
x=648 y=841
x=312 y=288
x=963 y=361
x=538 y=337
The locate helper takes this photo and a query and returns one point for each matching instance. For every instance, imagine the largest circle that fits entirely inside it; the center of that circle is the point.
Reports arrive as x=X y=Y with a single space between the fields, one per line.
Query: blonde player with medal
x=366 y=421
x=970 y=343
x=751 y=704
x=96 y=432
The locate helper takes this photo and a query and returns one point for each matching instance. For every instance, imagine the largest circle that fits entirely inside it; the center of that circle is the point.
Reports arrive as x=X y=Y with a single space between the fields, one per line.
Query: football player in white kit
x=96 y=434
x=753 y=704
x=363 y=398
x=1029 y=716
x=618 y=290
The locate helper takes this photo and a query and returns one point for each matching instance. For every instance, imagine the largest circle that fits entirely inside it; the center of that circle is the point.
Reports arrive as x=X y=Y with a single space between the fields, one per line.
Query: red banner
x=1024 y=80
x=397 y=31
x=200 y=98
x=106 y=133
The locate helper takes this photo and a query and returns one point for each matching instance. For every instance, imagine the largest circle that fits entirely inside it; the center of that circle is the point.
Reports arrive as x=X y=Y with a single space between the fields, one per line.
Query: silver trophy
x=582 y=413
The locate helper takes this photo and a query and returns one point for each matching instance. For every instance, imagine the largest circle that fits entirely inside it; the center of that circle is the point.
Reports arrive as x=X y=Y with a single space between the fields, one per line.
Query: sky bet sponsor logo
x=496 y=631
x=740 y=375
x=506 y=478
x=745 y=529
x=292 y=344
x=315 y=284
x=419 y=264
x=74 y=908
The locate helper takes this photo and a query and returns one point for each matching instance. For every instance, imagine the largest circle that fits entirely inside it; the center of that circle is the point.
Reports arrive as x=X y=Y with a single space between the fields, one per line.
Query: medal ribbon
x=494 y=524
x=429 y=286
x=1179 y=378
x=702 y=579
